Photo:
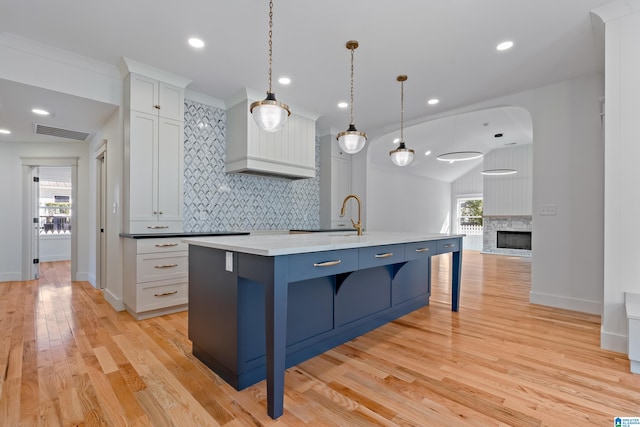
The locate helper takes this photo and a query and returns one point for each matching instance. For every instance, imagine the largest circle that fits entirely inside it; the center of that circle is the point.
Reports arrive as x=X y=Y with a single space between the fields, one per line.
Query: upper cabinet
x=155 y=97
x=153 y=150
x=289 y=153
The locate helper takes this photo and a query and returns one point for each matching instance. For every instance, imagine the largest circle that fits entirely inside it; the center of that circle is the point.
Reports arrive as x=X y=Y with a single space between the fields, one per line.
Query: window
x=470 y=215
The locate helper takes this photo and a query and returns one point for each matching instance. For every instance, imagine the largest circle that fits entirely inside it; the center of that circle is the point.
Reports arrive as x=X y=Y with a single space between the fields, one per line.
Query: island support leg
x=456 y=276
x=276 y=334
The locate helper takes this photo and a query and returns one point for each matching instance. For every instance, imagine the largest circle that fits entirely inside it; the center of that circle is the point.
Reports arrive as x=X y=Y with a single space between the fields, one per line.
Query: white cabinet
x=335 y=184
x=153 y=151
x=288 y=153
x=156 y=283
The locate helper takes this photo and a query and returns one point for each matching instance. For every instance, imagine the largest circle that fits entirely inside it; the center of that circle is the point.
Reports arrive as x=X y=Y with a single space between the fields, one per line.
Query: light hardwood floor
x=67 y=358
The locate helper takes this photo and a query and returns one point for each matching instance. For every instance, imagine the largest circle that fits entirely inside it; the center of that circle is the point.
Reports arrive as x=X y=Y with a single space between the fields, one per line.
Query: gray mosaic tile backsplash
x=217 y=201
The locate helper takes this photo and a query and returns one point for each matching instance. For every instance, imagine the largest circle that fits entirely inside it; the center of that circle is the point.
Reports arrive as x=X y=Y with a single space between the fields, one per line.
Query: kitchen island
x=260 y=304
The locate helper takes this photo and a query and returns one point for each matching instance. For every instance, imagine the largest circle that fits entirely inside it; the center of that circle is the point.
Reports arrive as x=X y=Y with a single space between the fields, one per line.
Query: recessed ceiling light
x=40 y=112
x=396 y=141
x=427 y=153
x=284 y=80
x=433 y=101
x=505 y=45
x=5 y=131
x=343 y=104
x=195 y=42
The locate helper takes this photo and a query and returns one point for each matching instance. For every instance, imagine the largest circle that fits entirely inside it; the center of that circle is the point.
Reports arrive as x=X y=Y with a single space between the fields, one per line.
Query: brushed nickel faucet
x=358 y=225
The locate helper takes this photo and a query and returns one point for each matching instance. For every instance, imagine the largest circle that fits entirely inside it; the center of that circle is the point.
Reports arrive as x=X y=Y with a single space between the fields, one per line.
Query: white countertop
x=286 y=244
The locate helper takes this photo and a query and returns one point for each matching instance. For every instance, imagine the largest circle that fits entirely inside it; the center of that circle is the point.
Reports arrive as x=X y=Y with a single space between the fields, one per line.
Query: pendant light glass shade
x=402 y=156
x=269 y=114
x=351 y=141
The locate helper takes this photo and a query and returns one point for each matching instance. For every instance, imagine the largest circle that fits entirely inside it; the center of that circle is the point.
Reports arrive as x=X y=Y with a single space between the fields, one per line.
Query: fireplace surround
x=514 y=227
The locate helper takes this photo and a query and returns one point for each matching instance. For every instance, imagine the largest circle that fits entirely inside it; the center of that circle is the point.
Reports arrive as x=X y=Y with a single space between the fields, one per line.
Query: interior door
x=35 y=213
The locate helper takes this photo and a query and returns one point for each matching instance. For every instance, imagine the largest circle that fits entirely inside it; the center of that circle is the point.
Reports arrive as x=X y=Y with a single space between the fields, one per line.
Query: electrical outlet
x=548 y=210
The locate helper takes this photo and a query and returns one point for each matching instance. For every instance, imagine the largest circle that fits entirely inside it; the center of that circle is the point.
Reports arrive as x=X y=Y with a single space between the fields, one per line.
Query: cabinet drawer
x=380 y=255
x=418 y=250
x=155 y=295
x=319 y=264
x=162 y=266
x=449 y=245
x=172 y=244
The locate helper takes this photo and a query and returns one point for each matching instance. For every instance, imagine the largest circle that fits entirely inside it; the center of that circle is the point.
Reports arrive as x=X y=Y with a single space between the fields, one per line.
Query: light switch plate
x=229 y=262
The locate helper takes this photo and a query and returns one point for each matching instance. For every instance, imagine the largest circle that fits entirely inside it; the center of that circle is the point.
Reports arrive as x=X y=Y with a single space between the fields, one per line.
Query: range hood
x=289 y=153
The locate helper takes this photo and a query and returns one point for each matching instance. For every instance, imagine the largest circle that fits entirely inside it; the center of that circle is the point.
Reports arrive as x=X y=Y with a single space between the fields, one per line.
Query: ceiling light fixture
x=459 y=156
x=269 y=114
x=5 y=131
x=506 y=45
x=433 y=101
x=496 y=172
x=402 y=155
x=351 y=141
x=343 y=104
x=284 y=80
x=40 y=112
x=195 y=42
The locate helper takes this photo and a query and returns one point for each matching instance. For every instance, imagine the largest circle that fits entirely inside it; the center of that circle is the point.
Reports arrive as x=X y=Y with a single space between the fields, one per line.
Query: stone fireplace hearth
x=493 y=224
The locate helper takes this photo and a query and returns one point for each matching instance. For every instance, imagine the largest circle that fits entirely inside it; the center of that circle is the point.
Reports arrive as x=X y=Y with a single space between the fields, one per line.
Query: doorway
x=49 y=218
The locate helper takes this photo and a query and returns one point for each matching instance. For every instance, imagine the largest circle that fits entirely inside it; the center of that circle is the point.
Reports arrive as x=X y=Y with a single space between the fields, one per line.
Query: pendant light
x=351 y=141
x=269 y=114
x=402 y=155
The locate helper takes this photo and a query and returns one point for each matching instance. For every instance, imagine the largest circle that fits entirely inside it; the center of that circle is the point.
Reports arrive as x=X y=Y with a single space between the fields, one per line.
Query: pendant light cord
x=352 y=51
x=402 y=111
x=270 y=40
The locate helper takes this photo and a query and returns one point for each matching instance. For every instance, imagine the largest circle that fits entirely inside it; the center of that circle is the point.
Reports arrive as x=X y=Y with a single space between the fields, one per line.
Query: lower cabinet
x=227 y=304
x=155 y=276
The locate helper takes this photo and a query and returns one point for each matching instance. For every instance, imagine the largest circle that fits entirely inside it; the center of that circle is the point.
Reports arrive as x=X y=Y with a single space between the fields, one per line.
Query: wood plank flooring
x=67 y=358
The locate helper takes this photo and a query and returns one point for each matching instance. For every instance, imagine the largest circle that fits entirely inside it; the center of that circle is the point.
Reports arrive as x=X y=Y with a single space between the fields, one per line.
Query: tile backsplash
x=217 y=201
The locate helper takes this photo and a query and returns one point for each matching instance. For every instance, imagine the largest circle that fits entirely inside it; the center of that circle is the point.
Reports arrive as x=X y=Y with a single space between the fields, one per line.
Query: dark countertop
x=199 y=234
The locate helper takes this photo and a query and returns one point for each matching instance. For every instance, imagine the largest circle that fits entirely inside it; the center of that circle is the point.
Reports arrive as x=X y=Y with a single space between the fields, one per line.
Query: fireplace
x=507 y=235
x=513 y=239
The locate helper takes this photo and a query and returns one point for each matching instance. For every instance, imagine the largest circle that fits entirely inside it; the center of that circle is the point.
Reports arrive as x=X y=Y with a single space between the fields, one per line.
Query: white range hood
x=289 y=153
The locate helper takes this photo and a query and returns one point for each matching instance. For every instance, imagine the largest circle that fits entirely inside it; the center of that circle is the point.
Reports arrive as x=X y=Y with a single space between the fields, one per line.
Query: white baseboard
x=558 y=301
x=613 y=342
x=115 y=302
x=91 y=278
x=11 y=277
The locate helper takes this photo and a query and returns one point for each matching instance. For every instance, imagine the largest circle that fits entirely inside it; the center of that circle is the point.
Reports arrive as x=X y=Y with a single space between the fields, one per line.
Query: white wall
x=55 y=247
x=404 y=202
x=622 y=151
x=509 y=194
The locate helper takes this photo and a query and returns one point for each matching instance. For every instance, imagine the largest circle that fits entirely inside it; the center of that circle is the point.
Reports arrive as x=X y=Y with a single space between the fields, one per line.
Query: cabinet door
x=341 y=188
x=144 y=94
x=143 y=134
x=170 y=99
x=170 y=170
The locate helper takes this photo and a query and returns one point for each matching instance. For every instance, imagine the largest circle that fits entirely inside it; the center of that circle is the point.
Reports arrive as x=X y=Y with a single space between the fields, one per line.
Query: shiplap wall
x=509 y=194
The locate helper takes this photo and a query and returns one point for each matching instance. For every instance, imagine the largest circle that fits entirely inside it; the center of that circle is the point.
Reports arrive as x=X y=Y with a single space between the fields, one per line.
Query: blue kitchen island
x=259 y=304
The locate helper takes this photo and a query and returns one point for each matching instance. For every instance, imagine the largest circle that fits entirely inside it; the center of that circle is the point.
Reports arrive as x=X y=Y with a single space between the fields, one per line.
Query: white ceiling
x=447 y=48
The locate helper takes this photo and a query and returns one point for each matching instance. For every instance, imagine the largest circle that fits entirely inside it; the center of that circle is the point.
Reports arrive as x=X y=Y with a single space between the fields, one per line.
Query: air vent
x=60 y=133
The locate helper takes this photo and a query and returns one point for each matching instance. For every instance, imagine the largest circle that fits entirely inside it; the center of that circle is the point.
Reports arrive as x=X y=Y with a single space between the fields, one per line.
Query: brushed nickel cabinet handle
x=387 y=255
x=327 y=263
x=165 y=266
x=165 y=245
x=165 y=294
x=450 y=245
x=422 y=250
x=154 y=227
